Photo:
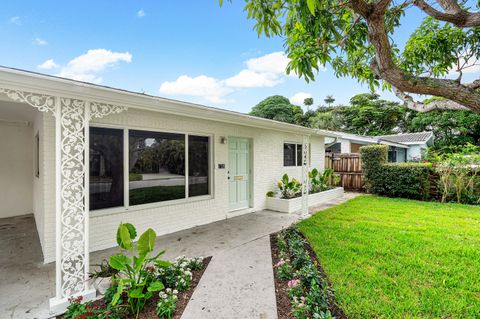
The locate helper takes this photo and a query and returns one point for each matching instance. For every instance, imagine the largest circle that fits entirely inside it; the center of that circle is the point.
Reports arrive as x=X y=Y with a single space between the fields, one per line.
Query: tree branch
x=385 y=68
x=454 y=14
x=427 y=107
x=475 y=85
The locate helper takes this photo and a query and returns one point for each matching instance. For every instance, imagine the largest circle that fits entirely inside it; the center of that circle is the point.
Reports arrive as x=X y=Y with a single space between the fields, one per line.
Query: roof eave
x=44 y=84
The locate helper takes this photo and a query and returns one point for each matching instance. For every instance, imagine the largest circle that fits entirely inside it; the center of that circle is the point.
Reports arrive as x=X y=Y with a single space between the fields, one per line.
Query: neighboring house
x=417 y=143
x=86 y=157
x=401 y=147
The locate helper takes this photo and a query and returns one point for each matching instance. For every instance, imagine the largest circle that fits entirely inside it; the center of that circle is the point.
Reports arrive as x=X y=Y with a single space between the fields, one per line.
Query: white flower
x=175 y=291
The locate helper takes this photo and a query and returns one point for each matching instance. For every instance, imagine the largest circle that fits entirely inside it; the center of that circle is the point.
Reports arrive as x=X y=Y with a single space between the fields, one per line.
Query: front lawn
x=398 y=258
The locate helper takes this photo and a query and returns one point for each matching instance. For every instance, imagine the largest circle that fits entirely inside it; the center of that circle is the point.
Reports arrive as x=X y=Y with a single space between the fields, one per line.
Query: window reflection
x=106 y=168
x=156 y=166
x=198 y=166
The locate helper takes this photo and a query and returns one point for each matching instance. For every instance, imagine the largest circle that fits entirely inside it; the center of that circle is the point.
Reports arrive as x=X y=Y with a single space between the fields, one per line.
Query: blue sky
x=188 y=50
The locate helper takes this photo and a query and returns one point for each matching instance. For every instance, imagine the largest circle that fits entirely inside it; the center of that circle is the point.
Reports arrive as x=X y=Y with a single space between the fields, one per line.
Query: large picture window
x=198 y=165
x=106 y=168
x=156 y=167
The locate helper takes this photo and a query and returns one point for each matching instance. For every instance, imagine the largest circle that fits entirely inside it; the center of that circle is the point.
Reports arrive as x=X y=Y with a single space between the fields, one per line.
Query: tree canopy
x=357 y=38
x=367 y=114
x=278 y=108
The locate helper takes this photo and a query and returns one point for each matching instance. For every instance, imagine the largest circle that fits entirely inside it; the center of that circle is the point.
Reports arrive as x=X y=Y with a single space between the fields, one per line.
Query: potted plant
x=102 y=277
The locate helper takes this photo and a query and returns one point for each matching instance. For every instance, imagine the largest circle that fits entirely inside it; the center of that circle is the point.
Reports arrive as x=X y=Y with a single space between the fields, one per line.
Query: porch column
x=305 y=170
x=72 y=117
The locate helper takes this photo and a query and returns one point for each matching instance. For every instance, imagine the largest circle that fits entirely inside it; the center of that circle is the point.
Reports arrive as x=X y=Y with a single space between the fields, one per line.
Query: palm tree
x=329 y=100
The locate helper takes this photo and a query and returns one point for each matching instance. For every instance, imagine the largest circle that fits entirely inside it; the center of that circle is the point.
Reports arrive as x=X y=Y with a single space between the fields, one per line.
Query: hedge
x=373 y=157
x=408 y=180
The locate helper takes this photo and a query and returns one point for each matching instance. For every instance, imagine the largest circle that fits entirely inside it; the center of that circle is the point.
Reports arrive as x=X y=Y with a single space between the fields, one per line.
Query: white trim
x=185 y=166
x=140 y=207
x=86 y=194
x=35 y=82
x=126 y=170
x=58 y=199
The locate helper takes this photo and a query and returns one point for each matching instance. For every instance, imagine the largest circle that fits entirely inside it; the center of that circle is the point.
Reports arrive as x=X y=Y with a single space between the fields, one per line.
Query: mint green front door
x=238 y=173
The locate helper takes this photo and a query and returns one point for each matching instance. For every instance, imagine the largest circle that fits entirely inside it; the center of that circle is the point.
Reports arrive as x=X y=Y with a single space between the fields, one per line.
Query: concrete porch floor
x=27 y=284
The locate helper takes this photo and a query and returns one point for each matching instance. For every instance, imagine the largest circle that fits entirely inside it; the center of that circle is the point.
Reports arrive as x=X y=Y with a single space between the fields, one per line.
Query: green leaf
x=146 y=242
x=311 y=6
x=138 y=261
x=125 y=234
x=162 y=263
x=118 y=293
x=155 y=286
x=136 y=293
x=157 y=255
x=119 y=261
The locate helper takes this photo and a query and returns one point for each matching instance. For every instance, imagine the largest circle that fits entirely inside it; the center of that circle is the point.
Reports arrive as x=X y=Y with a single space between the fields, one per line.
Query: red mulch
x=281 y=287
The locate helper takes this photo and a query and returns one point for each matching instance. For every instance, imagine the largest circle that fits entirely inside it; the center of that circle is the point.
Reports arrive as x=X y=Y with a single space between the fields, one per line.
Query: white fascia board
x=402 y=145
x=45 y=84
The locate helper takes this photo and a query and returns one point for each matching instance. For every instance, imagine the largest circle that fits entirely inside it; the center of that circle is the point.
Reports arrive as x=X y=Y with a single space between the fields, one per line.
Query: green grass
x=156 y=194
x=397 y=258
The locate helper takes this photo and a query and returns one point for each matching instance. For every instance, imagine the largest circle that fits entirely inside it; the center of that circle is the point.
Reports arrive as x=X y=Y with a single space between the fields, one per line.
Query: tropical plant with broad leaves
x=319 y=182
x=136 y=276
x=289 y=188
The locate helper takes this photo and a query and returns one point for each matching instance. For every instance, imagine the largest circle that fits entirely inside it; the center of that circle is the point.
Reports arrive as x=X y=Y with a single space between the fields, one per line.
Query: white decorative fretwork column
x=305 y=170
x=72 y=117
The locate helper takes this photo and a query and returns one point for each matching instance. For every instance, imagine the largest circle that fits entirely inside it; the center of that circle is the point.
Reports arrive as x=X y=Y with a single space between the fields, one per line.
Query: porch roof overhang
x=57 y=86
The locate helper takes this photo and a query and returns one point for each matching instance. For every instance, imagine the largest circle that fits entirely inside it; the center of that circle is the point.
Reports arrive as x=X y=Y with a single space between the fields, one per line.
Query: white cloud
x=48 y=65
x=15 y=20
x=275 y=62
x=87 y=66
x=40 y=41
x=250 y=79
x=140 y=13
x=211 y=89
x=264 y=71
x=299 y=97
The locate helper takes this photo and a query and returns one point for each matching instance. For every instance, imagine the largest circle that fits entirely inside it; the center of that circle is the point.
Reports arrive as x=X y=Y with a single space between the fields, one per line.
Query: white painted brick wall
x=267 y=170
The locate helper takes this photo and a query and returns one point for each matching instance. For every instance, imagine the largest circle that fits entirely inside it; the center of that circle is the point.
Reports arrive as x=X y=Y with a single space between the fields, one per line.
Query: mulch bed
x=284 y=309
x=183 y=297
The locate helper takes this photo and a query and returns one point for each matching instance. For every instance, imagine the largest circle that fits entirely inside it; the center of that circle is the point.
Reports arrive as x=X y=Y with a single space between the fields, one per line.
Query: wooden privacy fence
x=349 y=167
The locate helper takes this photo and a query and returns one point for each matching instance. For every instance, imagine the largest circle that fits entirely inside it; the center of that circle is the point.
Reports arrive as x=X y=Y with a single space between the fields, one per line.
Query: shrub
x=408 y=180
x=459 y=178
x=133 y=177
x=373 y=157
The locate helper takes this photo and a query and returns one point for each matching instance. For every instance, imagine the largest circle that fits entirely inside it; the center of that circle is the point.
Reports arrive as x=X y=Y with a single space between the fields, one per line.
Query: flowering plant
x=167 y=303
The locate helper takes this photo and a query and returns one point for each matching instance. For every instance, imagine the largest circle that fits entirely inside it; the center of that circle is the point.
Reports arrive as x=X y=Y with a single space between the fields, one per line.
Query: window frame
x=126 y=191
x=297 y=164
x=37 y=155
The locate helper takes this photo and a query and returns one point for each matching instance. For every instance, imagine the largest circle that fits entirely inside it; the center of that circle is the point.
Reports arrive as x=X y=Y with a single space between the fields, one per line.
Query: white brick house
x=83 y=158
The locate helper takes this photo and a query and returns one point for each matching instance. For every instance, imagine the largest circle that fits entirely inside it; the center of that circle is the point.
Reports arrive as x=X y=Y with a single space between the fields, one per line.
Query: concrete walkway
x=238 y=283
